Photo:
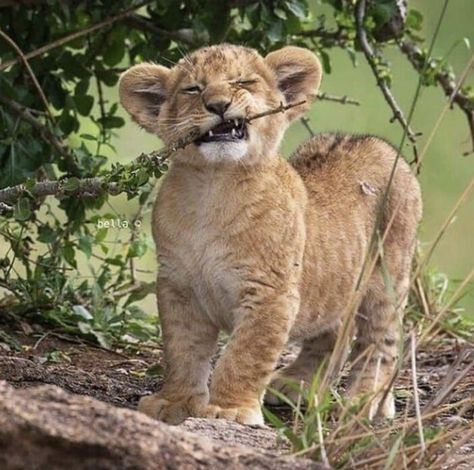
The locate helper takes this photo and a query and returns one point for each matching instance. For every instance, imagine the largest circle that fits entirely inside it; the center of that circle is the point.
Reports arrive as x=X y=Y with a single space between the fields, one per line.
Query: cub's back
x=340 y=169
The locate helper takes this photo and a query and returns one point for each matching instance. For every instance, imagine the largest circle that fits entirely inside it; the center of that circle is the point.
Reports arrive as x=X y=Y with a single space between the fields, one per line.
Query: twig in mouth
x=99 y=185
x=281 y=109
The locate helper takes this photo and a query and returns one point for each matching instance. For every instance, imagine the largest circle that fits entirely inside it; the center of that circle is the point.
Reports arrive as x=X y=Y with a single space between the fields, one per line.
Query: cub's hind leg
x=189 y=343
x=379 y=320
x=375 y=351
x=309 y=360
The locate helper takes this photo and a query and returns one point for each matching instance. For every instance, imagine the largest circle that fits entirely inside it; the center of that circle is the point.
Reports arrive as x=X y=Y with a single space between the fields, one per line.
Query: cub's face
x=215 y=89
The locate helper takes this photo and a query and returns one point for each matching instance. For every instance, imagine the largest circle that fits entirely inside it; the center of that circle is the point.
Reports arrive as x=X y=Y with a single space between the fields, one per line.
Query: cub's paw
x=243 y=414
x=386 y=410
x=288 y=387
x=172 y=412
x=372 y=405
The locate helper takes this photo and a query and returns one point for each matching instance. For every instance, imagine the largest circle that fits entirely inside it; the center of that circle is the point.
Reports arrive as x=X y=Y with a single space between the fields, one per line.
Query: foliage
x=75 y=53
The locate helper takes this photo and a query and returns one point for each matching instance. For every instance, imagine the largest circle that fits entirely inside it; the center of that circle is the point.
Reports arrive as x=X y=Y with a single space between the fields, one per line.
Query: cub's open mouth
x=227 y=131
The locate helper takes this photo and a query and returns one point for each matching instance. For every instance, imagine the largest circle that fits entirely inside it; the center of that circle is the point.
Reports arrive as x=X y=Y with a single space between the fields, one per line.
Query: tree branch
x=337 y=99
x=381 y=83
x=93 y=187
x=339 y=36
x=22 y=57
x=78 y=34
x=451 y=89
x=144 y=24
x=24 y=114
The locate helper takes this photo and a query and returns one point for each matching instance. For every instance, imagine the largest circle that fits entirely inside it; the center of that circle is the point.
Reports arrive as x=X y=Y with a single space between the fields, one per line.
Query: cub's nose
x=218 y=106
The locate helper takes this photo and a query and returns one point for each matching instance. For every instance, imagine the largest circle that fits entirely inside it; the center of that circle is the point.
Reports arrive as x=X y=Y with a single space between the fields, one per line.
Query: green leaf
x=280 y=13
x=297 y=8
x=81 y=87
x=101 y=235
x=46 y=234
x=85 y=245
x=275 y=32
x=326 y=60
x=71 y=184
x=29 y=184
x=142 y=177
x=114 y=53
x=22 y=209
x=84 y=328
x=88 y=137
x=69 y=254
x=82 y=312
x=109 y=77
x=137 y=249
x=101 y=339
x=67 y=123
x=414 y=20
x=110 y=122
x=84 y=104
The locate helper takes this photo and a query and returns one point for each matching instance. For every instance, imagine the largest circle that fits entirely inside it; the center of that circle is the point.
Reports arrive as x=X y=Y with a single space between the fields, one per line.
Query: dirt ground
x=121 y=378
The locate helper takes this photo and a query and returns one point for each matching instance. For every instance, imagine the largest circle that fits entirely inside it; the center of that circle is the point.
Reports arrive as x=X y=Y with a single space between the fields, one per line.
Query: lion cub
x=267 y=249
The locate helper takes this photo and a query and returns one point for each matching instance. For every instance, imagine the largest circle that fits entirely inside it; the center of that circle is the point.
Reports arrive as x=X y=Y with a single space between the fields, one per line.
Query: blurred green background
x=445 y=171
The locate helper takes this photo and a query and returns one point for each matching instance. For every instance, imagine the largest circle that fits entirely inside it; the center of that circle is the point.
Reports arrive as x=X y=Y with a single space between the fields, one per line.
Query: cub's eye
x=245 y=82
x=192 y=90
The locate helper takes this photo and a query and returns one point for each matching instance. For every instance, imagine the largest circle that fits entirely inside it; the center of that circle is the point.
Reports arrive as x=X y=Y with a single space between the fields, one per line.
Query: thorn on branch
x=337 y=99
x=307 y=125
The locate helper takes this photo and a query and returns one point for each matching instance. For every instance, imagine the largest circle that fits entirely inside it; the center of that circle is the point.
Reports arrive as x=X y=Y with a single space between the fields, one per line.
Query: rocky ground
x=65 y=403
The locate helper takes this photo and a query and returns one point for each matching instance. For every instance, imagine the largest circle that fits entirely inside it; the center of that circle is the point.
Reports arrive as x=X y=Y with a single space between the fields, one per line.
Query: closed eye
x=192 y=90
x=245 y=82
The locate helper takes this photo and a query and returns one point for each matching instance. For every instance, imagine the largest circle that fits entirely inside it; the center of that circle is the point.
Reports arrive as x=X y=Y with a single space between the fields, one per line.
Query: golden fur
x=266 y=249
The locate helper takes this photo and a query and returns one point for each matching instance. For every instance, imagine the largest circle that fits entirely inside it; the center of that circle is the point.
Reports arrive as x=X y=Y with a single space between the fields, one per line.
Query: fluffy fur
x=266 y=249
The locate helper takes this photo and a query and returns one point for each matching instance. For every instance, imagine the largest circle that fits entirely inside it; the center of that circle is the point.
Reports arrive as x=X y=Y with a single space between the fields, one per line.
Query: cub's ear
x=298 y=74
x=143 y=90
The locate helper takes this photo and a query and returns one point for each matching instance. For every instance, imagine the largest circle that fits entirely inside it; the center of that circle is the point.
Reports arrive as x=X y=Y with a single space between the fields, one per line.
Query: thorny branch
x=381 y=83
x=96 y=186
x=452 y=90
x=337 y=99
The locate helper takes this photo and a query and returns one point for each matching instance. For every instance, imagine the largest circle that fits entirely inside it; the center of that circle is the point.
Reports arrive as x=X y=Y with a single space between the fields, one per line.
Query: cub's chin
x=223 y=151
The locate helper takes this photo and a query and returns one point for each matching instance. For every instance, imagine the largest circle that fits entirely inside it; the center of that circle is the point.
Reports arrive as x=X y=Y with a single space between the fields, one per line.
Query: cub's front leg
x=189 y=340
x=265 y=316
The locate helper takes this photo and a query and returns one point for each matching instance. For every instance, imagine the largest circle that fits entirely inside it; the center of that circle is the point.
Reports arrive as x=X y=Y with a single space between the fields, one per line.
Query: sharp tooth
x=236 y=122
x=233 y=132
x=211 y=134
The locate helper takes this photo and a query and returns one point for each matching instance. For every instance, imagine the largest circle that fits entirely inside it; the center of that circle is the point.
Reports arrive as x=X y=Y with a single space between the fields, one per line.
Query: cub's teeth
x=211 y=134
x=234 y=134
x=236 y=122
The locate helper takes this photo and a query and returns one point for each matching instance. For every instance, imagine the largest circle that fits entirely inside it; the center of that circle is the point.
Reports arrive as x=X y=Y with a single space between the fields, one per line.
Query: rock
x=231 y=433
x=48 y=428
